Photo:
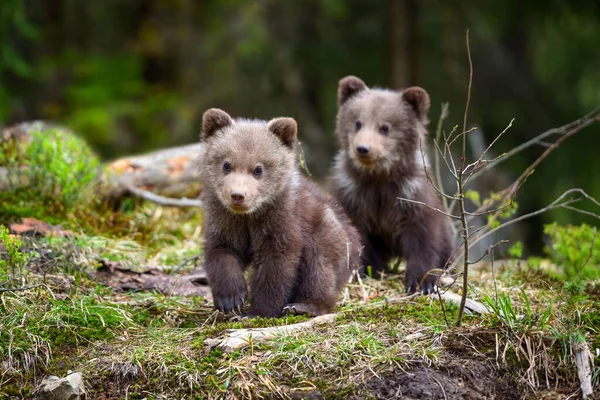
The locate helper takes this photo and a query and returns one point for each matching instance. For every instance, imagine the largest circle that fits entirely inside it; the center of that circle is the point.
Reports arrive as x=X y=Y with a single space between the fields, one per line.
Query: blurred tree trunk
x=404 y=46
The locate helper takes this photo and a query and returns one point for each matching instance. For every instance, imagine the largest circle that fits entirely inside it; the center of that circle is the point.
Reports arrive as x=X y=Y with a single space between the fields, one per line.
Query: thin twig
x=303 y=164
x=428 y=206
x=555 y=204
x=487 y=251
x=461 y=194
x=480 y=159
x=591 y=253
x=185 y=262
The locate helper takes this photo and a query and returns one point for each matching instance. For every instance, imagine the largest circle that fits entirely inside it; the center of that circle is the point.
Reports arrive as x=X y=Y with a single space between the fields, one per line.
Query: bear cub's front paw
x=427 y=284
x=230 y=300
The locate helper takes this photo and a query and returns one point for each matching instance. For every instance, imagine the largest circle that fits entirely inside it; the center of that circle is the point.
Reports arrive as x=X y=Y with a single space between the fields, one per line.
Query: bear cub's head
x=245 y=163
x=381 y=129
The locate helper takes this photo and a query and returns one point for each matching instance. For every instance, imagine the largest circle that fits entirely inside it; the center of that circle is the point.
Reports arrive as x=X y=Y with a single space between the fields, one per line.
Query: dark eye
x=384 y=129
x=258 y=170
x=226 y=167
x=358 y=125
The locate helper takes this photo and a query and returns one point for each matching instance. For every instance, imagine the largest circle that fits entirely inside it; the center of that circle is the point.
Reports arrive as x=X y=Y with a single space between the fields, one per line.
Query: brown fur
x=300 y=242
x=375 y=167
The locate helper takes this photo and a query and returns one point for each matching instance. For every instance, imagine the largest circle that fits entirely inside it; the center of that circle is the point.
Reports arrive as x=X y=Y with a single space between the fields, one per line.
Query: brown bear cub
x=382 y=133
x=260 y=211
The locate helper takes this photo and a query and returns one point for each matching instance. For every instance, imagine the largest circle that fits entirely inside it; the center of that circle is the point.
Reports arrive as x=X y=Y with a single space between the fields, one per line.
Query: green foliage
x=58 y=172
x=518 y=319
x=495 y=200
x=474 y=196
x=12 y=266
x=576 y=250
x=516 y=250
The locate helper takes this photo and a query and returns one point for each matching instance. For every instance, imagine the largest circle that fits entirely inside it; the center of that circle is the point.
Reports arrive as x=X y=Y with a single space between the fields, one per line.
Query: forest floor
x=89 y=310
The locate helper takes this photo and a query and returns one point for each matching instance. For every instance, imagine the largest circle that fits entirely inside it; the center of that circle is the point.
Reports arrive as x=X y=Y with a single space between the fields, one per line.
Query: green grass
x=154 y=344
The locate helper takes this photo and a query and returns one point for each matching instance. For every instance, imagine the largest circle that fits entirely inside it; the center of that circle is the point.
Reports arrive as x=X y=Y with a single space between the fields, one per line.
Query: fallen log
x=169 y=172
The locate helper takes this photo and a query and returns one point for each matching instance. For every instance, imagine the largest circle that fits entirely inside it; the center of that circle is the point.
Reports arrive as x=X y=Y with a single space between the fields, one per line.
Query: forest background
x=134 y=76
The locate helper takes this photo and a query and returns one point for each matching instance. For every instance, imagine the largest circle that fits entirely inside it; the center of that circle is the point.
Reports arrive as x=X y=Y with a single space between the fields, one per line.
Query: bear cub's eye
x=226 y=167
x=258 y=171
x=384 y=129
x=358 y=125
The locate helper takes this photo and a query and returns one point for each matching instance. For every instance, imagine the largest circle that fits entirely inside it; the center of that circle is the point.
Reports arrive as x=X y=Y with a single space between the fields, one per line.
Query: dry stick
x=480 y=159
x=161 y=200
x=584 y=371
x=428 y=206
x=487 y=251
x=430 y=180
x=590 y=255
x=461 y=193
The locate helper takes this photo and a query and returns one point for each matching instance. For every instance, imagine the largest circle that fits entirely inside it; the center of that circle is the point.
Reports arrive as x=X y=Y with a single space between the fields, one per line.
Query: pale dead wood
x=171 y=171
x=584 y=370
x=236 y=339
x=161 y=200
x=240 y=338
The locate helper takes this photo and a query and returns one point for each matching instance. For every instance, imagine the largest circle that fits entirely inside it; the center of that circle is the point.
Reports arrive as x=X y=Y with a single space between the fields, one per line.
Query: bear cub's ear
x=286 y=129
x=418 y=100
x=214 y=120
x=348 y=87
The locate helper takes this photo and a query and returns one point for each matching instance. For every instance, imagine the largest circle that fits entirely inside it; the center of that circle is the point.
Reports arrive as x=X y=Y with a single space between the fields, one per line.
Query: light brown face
x=380 y=128
x=246 y=163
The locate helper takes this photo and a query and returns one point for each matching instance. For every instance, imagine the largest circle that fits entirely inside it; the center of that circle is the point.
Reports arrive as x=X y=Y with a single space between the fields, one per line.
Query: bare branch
x=555 y=204
x=444 y=157
x=461 y=194
x=487 y=251
x=480 y=159
x=479 y=214
x=429 y=206
x=577 y=125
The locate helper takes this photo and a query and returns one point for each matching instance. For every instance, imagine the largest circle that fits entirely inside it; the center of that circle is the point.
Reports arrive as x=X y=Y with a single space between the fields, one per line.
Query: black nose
x=237 y=197
x=362 y=149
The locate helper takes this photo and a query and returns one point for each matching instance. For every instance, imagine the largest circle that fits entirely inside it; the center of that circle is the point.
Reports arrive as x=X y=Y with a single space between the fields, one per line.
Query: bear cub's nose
x=237 y=197
x=362 y=150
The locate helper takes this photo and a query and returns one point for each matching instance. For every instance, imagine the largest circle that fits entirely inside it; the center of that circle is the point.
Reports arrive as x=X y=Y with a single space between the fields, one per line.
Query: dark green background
x=135 y=75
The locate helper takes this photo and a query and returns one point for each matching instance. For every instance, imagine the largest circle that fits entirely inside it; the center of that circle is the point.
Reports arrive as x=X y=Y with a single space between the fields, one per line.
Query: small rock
x=69 y=388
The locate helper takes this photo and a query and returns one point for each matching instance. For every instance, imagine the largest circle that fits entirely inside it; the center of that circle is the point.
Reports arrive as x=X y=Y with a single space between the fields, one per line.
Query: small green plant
x=524 y=319
x=576 y=250
x=56 y=171
x=516 y=250
x=12 y=265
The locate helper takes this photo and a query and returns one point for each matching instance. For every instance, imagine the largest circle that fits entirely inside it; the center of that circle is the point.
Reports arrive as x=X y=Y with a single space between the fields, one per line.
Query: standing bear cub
x=260 y=211
x=382 y=133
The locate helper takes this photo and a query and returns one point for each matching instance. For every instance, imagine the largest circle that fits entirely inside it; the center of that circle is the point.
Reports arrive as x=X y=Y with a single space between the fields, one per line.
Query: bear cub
x=260 y=212
x=382 y=133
